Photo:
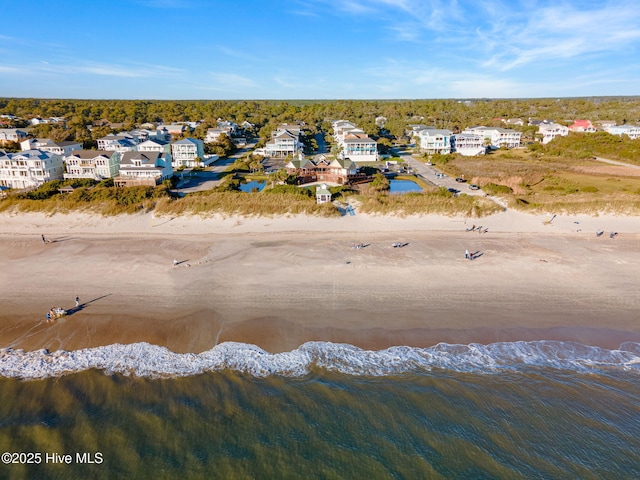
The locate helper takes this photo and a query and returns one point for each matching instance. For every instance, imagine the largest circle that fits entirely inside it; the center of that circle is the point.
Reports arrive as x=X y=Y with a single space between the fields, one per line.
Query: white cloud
x=232 y=80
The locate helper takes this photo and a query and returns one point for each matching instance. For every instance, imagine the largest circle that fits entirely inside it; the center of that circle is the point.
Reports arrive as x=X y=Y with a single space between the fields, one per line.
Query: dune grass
x=532 y=181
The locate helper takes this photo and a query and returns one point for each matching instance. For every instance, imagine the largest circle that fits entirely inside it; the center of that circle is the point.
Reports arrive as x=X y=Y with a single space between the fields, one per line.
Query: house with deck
x=433 y=140
x=631 y=131
x=283 y=143
x=497 y=137
x=118 y=142
x=48 y=145
x=12 y=135
x=469 y=144
x=29 y=168
x=339 y=171
x=143 y=168
x=94 y=164
x=552 y=130
x=187 y=153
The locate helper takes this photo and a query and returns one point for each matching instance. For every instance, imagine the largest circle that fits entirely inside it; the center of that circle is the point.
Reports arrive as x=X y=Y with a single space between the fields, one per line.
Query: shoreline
x=280 y=282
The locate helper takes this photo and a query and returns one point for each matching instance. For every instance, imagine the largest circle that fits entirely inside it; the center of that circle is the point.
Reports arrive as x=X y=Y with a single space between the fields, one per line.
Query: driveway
x=199 y=181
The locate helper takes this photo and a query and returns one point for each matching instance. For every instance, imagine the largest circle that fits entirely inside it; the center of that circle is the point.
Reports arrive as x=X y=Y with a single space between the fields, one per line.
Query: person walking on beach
x=77 y=301
x=467 y=255
x=175 y=262
x=44 y=240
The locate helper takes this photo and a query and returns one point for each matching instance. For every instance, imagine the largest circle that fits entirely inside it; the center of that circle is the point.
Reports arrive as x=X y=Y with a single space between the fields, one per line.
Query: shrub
x=496 y=189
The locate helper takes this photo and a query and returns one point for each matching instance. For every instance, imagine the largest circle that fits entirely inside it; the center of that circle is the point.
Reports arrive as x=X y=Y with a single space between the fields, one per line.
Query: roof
x=322 y=190
x=359 y=140
x=343 y=163
x=89 y=154
x=145 y=157
x=33 y=155
x=186 y=141
x=432 y=132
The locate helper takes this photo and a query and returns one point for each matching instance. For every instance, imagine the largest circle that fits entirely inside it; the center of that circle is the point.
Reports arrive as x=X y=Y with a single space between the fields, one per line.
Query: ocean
x=545 y=409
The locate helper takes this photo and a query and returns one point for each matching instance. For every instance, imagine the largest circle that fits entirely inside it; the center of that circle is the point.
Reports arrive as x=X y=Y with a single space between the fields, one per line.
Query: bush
x=496 y=189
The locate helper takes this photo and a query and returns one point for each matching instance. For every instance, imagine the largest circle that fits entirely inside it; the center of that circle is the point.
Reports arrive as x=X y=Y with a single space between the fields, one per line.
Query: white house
x=469 y=144
x=498 y=137
x=12 y=135
x=48 y=145
x=143 y=168
x=121 y=142
x=95 y=164
x=632 y=131
x=213 y=134
x=283 y=144
x=30 y=168
x=188 y=153
x=359 y=148
x=323 y=195
x=340 y=127
x=433 y=140
x=152 y=145
x=551 y=131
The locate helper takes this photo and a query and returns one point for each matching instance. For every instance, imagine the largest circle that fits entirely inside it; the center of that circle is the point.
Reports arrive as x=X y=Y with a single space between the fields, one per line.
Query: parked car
x=473 y=186
x=460 y=180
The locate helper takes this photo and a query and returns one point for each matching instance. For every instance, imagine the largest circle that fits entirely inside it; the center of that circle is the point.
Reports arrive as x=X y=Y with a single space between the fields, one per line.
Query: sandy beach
x=278 y=282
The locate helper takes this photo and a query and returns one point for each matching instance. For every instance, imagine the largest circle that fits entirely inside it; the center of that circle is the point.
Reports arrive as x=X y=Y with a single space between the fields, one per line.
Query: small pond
x=403 y=186
x=251 y=186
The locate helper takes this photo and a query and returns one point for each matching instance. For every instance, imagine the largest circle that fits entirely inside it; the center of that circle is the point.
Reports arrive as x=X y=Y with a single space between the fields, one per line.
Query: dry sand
x=278 y=282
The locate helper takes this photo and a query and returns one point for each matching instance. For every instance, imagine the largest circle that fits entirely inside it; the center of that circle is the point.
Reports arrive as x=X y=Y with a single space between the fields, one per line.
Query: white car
x=440 y=175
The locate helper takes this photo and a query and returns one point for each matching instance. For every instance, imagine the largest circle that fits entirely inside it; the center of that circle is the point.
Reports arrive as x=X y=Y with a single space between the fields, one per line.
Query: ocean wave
x=146 y=360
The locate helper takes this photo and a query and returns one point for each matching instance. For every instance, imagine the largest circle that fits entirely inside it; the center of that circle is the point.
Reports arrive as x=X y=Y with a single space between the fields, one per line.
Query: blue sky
x=320 y=49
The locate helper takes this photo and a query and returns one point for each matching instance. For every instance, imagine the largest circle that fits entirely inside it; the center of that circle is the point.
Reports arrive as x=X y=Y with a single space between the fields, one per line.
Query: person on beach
x=44 y=240
x=175 y=262
x=467 y=255
x=77 y=301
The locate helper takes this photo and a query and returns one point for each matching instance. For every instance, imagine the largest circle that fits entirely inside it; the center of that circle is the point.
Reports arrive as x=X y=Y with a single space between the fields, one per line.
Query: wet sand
x=279 y=289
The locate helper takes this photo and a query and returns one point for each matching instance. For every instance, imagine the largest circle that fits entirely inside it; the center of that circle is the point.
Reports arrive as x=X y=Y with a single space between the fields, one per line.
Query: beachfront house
x=497 y=137
x=143 y=168
x=469 y=144
x=433 y=141
x=632 y=131
x=550 y=131
x=30 y=168
x=187 y=153
x=339 y=171
x=94 y=164
x=48 y=145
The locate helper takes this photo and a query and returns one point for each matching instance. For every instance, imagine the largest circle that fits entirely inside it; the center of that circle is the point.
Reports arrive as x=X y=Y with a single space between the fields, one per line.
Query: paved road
x=205 y=180
x=428 y=174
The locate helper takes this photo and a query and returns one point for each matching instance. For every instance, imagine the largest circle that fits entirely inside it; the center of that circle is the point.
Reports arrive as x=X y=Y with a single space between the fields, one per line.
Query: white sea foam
x=145 y=360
